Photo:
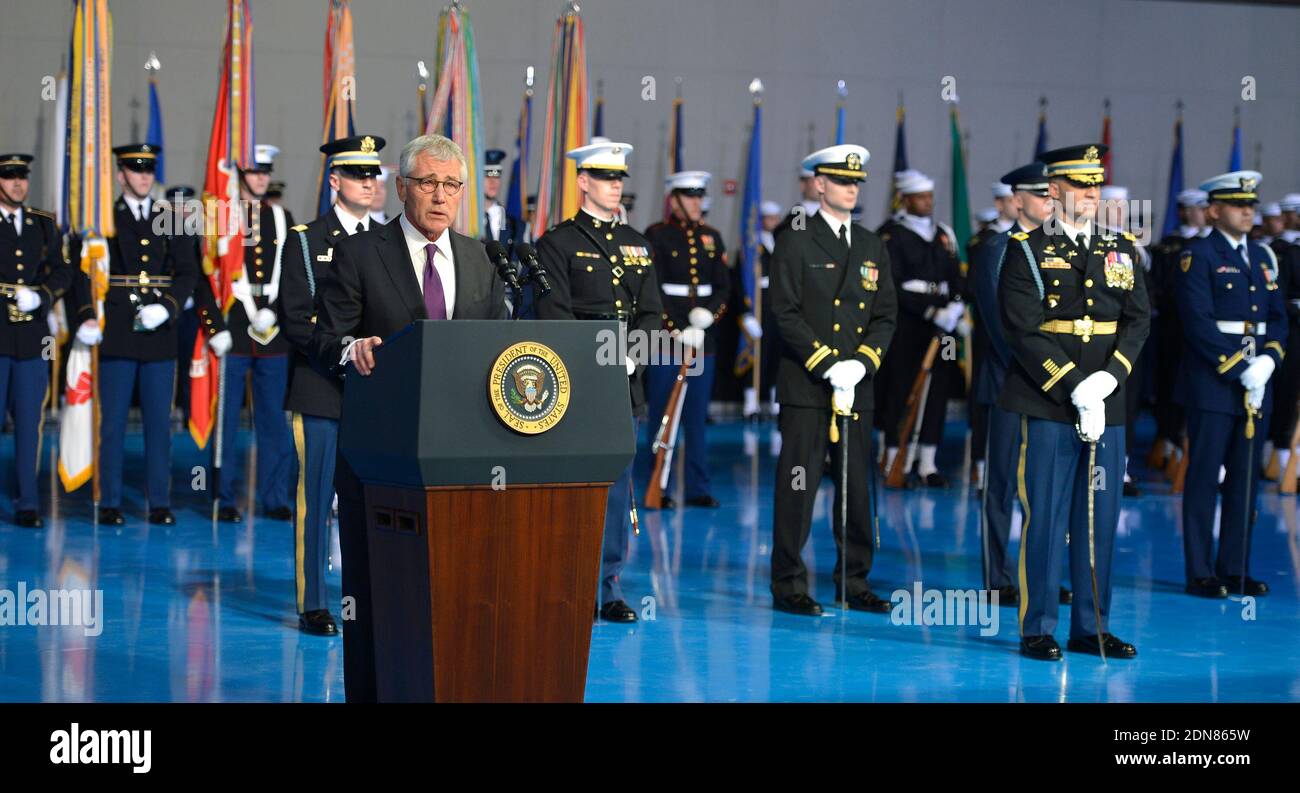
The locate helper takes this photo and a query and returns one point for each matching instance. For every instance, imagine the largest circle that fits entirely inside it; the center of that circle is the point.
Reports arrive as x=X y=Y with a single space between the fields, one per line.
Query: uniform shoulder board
x=1020 y=236
x=40 y=212
x=300 y=227
x=1129 y=236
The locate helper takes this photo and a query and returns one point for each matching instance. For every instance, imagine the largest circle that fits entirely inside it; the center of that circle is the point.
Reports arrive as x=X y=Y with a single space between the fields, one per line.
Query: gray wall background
x=1142 y=54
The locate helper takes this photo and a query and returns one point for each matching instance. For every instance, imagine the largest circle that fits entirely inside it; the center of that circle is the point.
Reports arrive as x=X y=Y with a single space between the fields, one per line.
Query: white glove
x=240 y=290
x=842 y=400
x=221 y=343
x=700 y=318
x=27 y=300
x=1258 y=372
x=693 y=338
x=1092 y=422
x=752 y=326
x=189 y=303
x=630 y=364
x=153 y=315
x=948 y=316
x=89 y=333
x=845 y=374
x=263 y=320
x=1255 y=396
x=1094 y=389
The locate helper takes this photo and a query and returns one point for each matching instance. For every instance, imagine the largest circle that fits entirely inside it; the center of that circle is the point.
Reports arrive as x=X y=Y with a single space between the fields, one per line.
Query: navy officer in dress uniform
x=1075 y=313
x=200 y=310
x=498 y=225
x=1234 y=331
x=1031 y=204
x=151 y=274
x=694 y=283
x=833 y=297
x=314 y=396
x=33 y=275
x=259 y=349
x=601 y=268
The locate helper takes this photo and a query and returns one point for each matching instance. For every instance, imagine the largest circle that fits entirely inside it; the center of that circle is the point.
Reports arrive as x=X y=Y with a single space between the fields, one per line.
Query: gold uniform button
x=693 y=259
x=615 y=282
x=1229 y=286
x=20 y=280
x=613 y=257
x=1088 y=283
x=1252 y=289
x=1254 y=308
x=862 y=305
x=837 y=301
x=609 y=236
x=1056 y=282
x=1222 y=358
x=258 y=273
x=693 y=271
x=257 y=238
x=835 y=351
x=618 y=303
x=145 y=242
x=144 y=257
x=836 y=326
x=1090 y=301
x=258 y=249
x=208 y=321
x=18 y=253
x=859 y=330
x=674 y=254
x=692 y=249
x=590 y=268
x=258 y=260
x=695 y=280
x=20 y=267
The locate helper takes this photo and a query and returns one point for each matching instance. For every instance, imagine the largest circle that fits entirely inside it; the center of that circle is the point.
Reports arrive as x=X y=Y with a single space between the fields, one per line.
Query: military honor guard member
x=1031 y=203
x=1075 y=314
x=497 y=224
x=833 y=297
x=200 y=309
x=1287 y=381
x=601 y=268
x=33 y=275
x=927 y=273
x=151 y=275
x=1000 y=218
x=694 y=282
x=1234 y=329
x=314 y=396
x=259 y=349
x=763 y=331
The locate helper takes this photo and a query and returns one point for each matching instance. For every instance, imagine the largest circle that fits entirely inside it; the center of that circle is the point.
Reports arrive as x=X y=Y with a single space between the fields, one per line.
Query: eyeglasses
x=429 y=184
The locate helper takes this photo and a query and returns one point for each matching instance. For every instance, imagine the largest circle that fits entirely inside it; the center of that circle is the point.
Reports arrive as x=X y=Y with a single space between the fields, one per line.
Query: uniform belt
x=1240 y=328
x=762 y=282
x=917 y=286
x=619 y=315
x=684 y=290
x=1080 y=327
x=141 y=280
x=9 y=290
x=259 y=290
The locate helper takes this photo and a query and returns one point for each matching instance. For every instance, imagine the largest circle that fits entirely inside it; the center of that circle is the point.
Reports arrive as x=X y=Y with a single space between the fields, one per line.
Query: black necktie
x=844 y=235
x=13 y=219
x=360 y=228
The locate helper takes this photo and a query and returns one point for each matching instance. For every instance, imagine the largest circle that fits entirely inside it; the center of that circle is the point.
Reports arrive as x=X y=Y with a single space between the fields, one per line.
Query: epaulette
x=1129 y=236
x=1020 y=235
x=41 y=212
x=300 y=227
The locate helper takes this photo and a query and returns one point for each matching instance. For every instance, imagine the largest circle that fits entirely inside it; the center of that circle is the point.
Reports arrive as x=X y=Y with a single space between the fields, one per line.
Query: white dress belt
x=920 y=287
x=684 y=290
x=1238 y=328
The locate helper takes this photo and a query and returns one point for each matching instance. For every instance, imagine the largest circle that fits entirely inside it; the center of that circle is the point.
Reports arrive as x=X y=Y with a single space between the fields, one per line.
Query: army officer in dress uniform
x=833 y=297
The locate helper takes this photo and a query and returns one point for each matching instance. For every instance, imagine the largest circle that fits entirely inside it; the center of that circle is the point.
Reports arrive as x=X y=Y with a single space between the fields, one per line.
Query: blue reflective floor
x=189 y=615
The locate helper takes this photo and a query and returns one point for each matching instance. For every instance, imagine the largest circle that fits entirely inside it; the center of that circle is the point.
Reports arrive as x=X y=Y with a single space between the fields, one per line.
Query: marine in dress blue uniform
x=314 y=396
x=601 y=268
x=1003 y=426
x=151 y=274
x=33 y=275
x=694 y=283
x=1074 y=311
x=259 y=350
x=1234 y=332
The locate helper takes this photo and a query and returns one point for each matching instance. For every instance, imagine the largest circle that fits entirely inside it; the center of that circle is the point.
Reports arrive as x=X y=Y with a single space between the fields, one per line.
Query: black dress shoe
x=1041 y=648
x=1008 y=595
x=703 y=501
x=28 y=519
x=617 y=611
x=1066 y=597
x=1131 y=490
x=798 y=603
x=229 y=515
x=667 y=503
x=111 y=516
x=162 y=516
x=1232 y=584
x=867 y=600
x=318 y=623
x=935 y=480
x=279 y=513
x=1207 y=588
x=1115 y=646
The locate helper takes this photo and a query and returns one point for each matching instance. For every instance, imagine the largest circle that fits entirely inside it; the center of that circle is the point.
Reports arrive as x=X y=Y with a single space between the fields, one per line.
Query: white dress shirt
x=1074 y=233
x=923 y=226
x=14 y=218
x=444 y=263
x=138 y=206
x=348 y=222
x=496 y=219
x=835 y=224
x=1238 y=245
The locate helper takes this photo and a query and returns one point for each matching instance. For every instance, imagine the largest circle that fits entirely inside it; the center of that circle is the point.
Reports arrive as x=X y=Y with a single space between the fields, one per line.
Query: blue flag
x=1175 y=182
x=517 y=195
x=1234 y=159
x=839 y=124
x=751 y=237
x=1040 y=145
x=155 y=135
x=598 y=123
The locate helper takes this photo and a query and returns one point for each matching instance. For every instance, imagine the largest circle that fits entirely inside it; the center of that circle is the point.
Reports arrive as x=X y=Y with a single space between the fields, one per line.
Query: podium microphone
x=527 y=254
x=497 y=253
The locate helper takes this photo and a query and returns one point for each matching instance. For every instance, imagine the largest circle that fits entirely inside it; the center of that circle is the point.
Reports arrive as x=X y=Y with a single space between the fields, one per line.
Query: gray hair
x=439 y=147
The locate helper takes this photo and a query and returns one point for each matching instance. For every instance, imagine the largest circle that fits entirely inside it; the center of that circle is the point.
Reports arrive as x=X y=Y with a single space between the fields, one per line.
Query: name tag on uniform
x=586 y=255
x=1227 y=268
x=328 y=256
x=826 y=266
x=1054 y=263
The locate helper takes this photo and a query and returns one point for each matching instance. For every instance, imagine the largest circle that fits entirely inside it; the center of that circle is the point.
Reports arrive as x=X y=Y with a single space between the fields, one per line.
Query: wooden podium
x=486 y=450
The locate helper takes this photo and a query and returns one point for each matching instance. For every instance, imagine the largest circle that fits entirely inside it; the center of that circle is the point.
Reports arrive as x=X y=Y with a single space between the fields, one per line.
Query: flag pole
x=756 y=90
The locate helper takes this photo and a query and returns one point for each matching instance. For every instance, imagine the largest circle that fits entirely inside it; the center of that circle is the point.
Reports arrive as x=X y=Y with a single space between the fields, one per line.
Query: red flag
x=1105 y=141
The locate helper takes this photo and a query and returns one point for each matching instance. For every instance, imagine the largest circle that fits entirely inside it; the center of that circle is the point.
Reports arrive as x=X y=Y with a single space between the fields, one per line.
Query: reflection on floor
x=193 y=615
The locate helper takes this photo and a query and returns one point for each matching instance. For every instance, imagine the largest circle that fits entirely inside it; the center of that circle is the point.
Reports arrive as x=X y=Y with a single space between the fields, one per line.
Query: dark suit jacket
x=372 y=291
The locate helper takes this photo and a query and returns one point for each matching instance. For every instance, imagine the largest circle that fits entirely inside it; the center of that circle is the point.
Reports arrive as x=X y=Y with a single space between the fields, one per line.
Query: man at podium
x=381 y=281
x=601 y=268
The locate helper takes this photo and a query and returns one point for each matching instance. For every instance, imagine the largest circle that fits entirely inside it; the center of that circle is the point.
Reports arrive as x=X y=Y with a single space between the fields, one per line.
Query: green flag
x=960 y=202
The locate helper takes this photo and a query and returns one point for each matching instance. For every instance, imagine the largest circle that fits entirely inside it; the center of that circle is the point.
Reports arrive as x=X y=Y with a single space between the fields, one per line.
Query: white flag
x=76 y=430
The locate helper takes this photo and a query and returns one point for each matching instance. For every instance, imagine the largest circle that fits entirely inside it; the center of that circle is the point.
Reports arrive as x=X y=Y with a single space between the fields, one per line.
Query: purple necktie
x=435 y=304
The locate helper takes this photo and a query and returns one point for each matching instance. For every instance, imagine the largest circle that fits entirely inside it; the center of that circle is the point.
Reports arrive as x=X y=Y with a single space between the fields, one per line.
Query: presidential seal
x=529 y=387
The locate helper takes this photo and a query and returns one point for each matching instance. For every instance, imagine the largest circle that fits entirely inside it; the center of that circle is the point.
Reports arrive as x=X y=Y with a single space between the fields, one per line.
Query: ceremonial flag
x=566 y=123
x=340 y=89
x=751 y=230
x=960 y=201
x=56 y=175
x=900 y=158
x=230 y=146
x=1234 y=157
x=674 y=147
x=598 y=123
x=457 y=109
x=89 y=213
x=1040 y=145
x=1175 y=178
x=155 y=134
x=839 y=113
x=1105 y=140
x=517 y=197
